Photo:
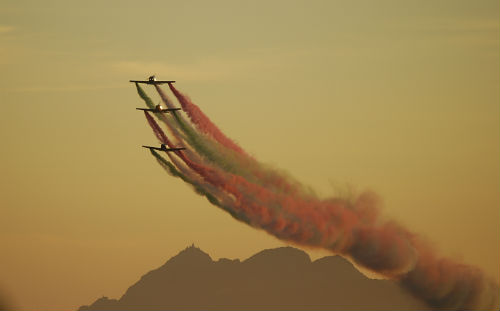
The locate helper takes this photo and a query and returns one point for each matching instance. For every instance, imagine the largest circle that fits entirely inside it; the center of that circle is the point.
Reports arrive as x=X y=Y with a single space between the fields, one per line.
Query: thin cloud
x=209 y=69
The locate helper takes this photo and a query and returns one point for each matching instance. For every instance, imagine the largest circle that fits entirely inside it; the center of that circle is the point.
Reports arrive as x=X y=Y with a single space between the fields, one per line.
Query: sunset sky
x=398 y=97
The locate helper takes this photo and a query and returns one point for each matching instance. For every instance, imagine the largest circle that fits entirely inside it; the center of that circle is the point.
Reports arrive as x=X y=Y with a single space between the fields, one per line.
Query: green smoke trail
x=219 y=155
x=356 y=232
x=144 y=96
x=172 y=170
x=191 y=135
x=169 y=167
x=208 y=149
x=173 y=126
x=226 y=158
x=231 y=161
x=226 y=148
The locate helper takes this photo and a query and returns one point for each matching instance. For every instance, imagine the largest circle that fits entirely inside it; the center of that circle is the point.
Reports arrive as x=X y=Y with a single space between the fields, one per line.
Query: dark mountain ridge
x=274 y=279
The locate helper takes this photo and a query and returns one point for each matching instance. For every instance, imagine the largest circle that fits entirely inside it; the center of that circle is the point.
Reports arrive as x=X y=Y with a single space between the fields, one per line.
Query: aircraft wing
x=152 y=148
x=152 y=82
x=162 y=82
x=175 y=149
x=164 y=149
x=162 y=110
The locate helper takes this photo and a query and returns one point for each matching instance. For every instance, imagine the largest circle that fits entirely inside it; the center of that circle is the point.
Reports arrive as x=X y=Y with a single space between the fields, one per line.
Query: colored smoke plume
x=267 y=199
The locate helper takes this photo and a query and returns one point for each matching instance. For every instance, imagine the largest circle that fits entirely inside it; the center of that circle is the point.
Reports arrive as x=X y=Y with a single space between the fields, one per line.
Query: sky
x=397 y=97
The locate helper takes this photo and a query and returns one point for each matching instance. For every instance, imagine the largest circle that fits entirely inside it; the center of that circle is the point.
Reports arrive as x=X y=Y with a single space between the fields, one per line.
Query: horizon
x=183 y=263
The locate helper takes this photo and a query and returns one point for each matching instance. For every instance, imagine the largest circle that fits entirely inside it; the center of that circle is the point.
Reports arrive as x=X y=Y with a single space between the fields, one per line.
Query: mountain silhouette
x=274 y=279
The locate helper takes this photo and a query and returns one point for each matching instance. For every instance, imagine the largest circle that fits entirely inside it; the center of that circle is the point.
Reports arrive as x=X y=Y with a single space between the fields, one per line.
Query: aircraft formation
x=158 y=109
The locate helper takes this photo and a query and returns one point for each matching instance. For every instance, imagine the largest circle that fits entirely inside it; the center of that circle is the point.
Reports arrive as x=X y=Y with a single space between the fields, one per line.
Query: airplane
x=152 y=80
x=159 y=108
x=164 y=148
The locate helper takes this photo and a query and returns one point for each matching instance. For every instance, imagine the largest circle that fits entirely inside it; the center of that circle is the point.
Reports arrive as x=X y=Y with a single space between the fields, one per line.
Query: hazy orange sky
x=398 y=97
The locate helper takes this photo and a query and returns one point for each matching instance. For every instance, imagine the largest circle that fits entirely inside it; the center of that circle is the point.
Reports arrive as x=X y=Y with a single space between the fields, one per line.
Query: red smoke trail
x=203 y=122
x=163 y=139
x=161 y=135
x=387 y=248
x=356 y=231
x=228 y=182
x=170 y=123
x=164 y=97
x=304 y=211
x=327 y=225
x=200 y=169
x=223 y=198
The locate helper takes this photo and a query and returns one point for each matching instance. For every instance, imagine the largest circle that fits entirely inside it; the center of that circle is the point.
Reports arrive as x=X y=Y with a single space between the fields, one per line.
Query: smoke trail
x=234 y=158
x=224 y=157
x=213 y=175
x=252 y=198
x=353 y=229
x=203 y=122
x=183 y=131
x=199 y=188
x=171 y=125
x=144 y=96
x=219 y=179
